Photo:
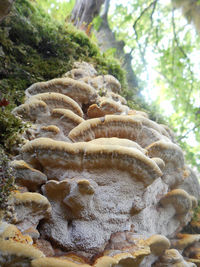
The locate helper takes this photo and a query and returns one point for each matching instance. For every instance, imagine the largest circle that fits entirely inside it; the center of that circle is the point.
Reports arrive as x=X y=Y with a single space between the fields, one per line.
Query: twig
x=186 y=57
x=151 y=26
x=183 y=136
x=164 y=76
x=142 y=51
x=143 y=12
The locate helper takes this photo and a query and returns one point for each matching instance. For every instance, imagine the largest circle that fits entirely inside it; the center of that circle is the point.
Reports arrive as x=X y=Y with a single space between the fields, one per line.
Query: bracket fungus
x=50 y=131
x=65 y=119
x=31 y=110
x=27 y=176
x=185 y=240
x=172 y=155
x=179 y=199
x=158 y=244
x=116 y=97
x=190 y=183
x=118 y=142
x=80 y=91
x=97 y=190
x=56 y=100
x=173 y=258
x=17 y=254
x=29 y=209
x=108 y=82
x=81 y=70
x=83 y=155
x=105 y=107
x=121 y=126
x=16 y=249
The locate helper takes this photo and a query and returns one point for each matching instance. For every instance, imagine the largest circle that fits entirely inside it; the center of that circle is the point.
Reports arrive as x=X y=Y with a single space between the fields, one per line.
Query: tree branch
x=142 y=51
x=106 y=9
x=143 y=12
x=151 y=26
x=189 y=131
x=185 y=56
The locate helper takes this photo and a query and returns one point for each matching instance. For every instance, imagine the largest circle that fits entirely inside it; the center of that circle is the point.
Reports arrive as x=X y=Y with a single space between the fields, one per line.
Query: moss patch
x=34 y=47
x=6 y=179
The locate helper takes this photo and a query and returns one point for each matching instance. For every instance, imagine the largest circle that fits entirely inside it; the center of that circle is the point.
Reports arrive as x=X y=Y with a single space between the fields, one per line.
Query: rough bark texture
x=82 y=15
x=84 y=11
x=107 y=40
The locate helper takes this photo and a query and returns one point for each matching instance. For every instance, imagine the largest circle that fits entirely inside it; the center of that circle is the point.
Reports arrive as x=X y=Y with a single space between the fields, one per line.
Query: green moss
x=189 y=228
x=6 y=179
x=34 y=48
x=10 y=129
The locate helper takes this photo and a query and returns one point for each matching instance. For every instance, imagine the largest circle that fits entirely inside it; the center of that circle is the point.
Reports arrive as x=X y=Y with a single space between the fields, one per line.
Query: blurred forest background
x=157 y=43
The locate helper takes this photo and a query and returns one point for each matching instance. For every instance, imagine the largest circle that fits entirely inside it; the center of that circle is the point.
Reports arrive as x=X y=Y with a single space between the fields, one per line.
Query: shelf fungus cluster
x=98 y=184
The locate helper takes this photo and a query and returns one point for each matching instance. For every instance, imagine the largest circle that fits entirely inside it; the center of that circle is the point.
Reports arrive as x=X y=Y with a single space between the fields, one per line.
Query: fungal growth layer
x=98 y=184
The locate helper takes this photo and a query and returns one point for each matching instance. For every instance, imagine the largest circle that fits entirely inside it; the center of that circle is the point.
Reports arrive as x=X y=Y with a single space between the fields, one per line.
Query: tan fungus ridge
x=77 y=90
x=57 y=100
x=87 y=156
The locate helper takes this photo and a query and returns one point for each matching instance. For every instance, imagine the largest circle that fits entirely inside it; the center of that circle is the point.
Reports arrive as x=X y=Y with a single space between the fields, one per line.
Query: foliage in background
x=6 y=179
x=135 y=101
x=58 y=10
x=165 y=49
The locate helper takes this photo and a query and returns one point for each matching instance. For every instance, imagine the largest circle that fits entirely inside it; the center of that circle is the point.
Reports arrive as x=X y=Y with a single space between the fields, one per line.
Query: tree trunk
x=84 y=11
x=82 y=15
x=107 y=40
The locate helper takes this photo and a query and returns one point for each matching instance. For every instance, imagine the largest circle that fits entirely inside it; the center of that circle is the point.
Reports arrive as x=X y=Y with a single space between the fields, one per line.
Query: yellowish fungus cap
x=78 y=90
x=31 y=110
x=179 y=199
x=185 y=240
x=110 y=126
x=11 y=251
x=48 y=152
x=158 y=244
x=57 y=100
x=56 y=262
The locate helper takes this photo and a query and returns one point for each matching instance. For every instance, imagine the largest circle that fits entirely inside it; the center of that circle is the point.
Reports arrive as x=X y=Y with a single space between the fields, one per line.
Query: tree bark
x=82 y=15
x=84 y=11
x=107 y=40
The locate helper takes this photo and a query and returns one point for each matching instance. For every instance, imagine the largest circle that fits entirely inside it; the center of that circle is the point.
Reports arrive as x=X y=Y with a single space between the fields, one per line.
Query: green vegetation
x=189 y=228
x=6 y=179
x=164 y=47
x=34 y=47
x=10 y=129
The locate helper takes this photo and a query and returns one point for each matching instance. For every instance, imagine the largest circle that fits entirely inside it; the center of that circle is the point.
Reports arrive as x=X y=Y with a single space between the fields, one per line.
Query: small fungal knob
x=158 y=244
x=85 y=187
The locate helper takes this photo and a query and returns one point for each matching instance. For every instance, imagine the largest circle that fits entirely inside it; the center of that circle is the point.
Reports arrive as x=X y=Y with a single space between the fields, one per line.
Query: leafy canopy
x=165 y=49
